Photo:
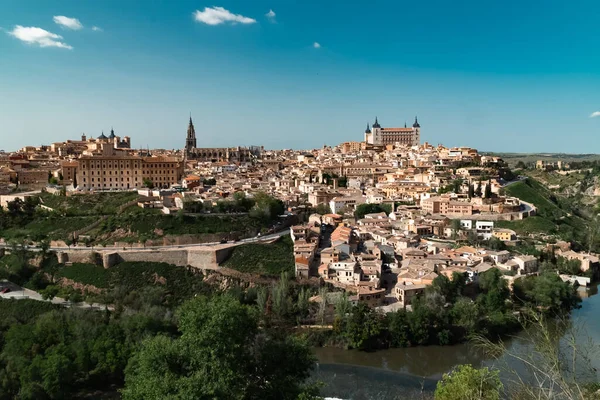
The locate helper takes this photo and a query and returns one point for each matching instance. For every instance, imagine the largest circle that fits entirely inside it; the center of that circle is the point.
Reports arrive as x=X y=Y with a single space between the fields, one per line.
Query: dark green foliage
x=22 y=311
x=179 y=283
x=364 y=209
x=266 y=259
x=547 y=291
x=87 y=274
x=59 y=352
x=363 y=327
x=220 y=354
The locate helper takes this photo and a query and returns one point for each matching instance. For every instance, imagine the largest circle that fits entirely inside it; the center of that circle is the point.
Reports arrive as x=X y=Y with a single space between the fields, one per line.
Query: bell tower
x=190 y=141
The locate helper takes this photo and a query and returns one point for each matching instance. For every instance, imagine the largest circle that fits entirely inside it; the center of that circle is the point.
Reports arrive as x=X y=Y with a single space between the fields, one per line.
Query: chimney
x=335 y=183
x=83 y=138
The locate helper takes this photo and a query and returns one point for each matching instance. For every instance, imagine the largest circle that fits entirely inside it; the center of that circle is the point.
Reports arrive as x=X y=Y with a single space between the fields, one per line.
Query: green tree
x=323 y=209
x=468 y=383
x=456 y=228
x=364 y=327
x=465 y=314
x=364 y=209
x=478 y=191
x=495 y=291
x=399 y=328
x=488 y=190
x=147 y=182
x=221 y=354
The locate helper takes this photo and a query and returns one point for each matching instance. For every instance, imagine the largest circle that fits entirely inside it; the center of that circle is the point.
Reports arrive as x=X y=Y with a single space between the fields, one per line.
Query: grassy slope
x=266 y=259
x=88 y=204
x=87 y=274
x=556 y=215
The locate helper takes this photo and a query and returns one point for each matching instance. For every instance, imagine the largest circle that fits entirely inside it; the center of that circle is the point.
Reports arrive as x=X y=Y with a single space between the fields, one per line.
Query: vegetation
x=468 y=383
x=264 y=259
x=220 y=353
x=26 y=220
x=446 y=314
x=87 y=274
x=563 y=217
x=87 y=204
x=364 y=209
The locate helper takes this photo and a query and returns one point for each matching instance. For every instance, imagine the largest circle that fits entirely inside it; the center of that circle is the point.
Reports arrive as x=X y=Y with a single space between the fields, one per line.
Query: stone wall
x=79 y=256
x=175 y=257
x=199 y=257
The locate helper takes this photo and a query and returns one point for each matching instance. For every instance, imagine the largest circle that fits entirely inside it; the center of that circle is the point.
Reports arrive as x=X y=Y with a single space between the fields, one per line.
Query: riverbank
x=349 y=374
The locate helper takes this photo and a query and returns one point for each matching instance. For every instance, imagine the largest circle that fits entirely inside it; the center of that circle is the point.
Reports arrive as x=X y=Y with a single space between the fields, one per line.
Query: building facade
x=112 y=169
x=379 y=136
x=217 y=154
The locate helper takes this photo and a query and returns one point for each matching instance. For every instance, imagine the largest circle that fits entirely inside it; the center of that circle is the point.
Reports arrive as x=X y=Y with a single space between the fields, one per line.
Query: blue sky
x=497 y=76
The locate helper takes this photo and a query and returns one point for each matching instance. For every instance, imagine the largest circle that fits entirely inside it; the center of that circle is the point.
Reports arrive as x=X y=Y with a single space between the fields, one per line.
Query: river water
x=412 y=373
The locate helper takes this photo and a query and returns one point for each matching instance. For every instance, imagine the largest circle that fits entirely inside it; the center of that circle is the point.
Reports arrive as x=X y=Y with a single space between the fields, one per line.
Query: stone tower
x=417 y=129
x=190 y=141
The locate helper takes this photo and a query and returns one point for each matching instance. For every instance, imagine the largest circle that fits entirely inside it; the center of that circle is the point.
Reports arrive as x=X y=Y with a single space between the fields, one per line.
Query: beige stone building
x=379 y=136
x=113 y=169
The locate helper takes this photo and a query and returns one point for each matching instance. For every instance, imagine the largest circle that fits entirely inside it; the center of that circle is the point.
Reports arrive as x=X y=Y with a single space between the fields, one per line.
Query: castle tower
x=417 y=129
x=376 y=136
x=190 y=141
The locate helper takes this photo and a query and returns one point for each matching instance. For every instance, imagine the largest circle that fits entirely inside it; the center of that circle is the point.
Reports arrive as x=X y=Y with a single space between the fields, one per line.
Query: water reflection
x=402 y=369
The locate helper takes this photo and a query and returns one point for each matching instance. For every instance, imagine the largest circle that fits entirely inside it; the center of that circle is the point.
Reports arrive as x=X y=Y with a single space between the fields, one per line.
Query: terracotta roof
x=302 y=260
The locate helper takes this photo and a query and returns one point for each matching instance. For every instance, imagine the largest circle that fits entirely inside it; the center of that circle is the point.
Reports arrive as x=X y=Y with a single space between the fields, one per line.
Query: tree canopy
x=221 y=353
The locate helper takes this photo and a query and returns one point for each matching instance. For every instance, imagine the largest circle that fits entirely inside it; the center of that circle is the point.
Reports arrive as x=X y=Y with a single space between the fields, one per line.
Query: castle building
x=379 y=136
x=217 y=154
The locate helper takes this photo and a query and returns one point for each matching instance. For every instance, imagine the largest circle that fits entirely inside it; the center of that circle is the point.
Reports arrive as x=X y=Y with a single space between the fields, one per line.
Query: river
x=411 y=373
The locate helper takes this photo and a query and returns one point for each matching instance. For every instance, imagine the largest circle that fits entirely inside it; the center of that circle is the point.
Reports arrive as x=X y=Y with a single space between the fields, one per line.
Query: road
x=20 y=293
x=231 y=242
x=519 y=179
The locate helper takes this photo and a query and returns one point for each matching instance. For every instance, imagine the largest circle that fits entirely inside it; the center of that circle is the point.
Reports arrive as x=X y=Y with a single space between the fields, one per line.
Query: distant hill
x=513 y=158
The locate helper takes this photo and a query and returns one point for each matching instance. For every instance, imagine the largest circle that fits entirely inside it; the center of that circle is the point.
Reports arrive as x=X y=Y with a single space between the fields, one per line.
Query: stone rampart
x=196 y=257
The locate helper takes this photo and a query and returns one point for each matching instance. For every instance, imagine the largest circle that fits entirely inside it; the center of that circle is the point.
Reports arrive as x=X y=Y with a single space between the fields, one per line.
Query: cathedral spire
x=190 y=141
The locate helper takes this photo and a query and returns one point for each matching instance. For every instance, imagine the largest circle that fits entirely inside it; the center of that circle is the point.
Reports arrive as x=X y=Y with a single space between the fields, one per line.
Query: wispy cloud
x=317 y=45
x=271 y=15
x=219 y=15
x=595 y=114
x=38 y=36
x=69 y=23
x=97 y=29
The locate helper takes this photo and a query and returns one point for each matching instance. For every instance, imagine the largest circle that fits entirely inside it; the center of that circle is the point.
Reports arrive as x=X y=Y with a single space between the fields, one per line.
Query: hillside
x=557 y=214
x=513 y=158
x=264 y=259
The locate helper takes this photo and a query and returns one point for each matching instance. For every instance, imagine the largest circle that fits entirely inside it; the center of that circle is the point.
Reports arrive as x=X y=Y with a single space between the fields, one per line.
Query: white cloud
x=97 y=29
x=271 y=15
x=595 y=114
x=69 y=23
x=219 y=15
x=316 y=45
x=38 y=36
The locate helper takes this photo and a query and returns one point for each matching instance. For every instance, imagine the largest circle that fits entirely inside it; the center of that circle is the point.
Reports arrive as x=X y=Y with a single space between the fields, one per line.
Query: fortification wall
x=175 y=257
x=200 y=257
x=78 y=256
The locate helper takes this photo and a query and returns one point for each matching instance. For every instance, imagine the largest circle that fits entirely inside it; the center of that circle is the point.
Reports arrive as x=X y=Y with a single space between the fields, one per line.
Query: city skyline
x=494 y=77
